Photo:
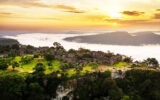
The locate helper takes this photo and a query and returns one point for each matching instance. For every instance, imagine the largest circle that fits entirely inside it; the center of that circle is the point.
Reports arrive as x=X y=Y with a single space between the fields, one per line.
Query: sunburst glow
x=70 y=14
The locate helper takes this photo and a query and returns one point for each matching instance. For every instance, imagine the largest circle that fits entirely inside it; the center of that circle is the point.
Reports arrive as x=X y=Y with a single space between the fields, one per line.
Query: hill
x=119 y=38
x=5 y=41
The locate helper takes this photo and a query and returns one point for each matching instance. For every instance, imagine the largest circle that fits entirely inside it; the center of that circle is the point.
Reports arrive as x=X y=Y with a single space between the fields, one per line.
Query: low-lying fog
x=41 y=39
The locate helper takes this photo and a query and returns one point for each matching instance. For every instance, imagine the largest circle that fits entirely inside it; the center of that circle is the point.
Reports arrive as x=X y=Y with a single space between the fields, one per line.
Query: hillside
x=5 y=41
x=119 y=38
x=53 y=73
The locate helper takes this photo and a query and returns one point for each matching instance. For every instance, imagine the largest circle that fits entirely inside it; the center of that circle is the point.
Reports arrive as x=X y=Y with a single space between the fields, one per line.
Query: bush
x=26 y=60
x=49 y=57
x=40 y=67
x=12 y=54
x=3 y=64
x=152 y=62
x=94 y=65
x=128 y=59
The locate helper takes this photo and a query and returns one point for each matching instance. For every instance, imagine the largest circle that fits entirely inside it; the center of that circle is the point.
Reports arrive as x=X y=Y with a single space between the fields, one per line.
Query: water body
x=44 y=39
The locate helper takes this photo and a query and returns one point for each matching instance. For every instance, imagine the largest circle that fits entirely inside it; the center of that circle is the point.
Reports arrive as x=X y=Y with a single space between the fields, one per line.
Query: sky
x=79 y=14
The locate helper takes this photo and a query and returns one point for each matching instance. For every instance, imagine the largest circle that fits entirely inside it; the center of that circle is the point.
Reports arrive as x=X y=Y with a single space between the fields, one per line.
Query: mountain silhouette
x=119 y=38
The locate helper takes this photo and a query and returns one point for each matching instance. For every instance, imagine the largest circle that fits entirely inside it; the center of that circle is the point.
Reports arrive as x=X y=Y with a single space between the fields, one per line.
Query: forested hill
x=119 y=38
x=53 y=73
x=6 y=41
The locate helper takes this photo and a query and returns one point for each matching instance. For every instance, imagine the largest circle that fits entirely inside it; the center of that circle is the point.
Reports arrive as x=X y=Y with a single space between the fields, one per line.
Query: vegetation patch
x=121 y=64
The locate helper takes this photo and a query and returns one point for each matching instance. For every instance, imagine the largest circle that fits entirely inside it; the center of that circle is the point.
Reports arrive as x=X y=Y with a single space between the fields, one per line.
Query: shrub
x=49 y=57
x=94 y=65
x=128 y=59
x=152 y=62
x=3 y=64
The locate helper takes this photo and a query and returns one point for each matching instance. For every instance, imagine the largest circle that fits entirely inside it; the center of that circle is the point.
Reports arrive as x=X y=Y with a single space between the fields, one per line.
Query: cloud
x=135 y=23
x=76 y=11
x=157 y=9
x=5 y=13
x=132 y=22
x=14 y=15
x=23 y=3
x=37 y=3
x=70 y=9
x=156 y=16
x=132 y=13
x=65 y=7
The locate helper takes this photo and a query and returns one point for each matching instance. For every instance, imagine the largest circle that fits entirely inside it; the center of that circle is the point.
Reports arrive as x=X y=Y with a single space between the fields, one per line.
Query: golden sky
x=79 y=14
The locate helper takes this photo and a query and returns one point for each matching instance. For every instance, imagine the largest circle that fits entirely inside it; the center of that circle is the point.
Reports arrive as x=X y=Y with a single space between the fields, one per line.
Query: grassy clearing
x=71 y=72
x=87 y=68
x=17 y=59
x=55 y=66
x=29 y=67
x=121 y=64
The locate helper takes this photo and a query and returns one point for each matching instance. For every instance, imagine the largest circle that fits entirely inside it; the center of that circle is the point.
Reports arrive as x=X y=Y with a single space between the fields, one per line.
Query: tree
x=49 y=57
x=78 y=69
x=15 y=46
x=57 y=45
x=3 y=64
x=12 y=54
x=152 y=62
x=94 y=65
x=36 y=56
x=35 y=92
x=29 y=47
x=128 y=59
x=125 y=98
x=65 y=98
x=39 y=67
x=12 y=86
x=52 y=84
x=72 y=51
x=15 y=64
x=39 y=74
x=64 y=66
x=26 y=60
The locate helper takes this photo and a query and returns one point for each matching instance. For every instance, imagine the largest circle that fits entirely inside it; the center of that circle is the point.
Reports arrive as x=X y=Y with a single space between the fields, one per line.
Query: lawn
x=29 y=67
x=87 y=68
x=71 y=72
x=55 y=66
x=121 y=64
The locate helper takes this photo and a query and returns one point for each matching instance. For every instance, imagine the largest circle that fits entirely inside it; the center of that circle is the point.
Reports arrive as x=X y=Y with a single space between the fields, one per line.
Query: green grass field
x=121 y=64
x=55 y=66
x=30 y=66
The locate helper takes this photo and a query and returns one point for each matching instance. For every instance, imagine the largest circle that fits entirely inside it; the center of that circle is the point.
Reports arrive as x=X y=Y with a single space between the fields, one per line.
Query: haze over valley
x=116 y=42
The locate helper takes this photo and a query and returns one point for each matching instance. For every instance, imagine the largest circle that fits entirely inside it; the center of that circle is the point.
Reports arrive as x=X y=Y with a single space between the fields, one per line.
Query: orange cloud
x=23 y=3
x=5 y=13
x=157 y=9
x=134 y=22
x=36 y=3
x=69 y=9
x=157 y=16
x=132 y=13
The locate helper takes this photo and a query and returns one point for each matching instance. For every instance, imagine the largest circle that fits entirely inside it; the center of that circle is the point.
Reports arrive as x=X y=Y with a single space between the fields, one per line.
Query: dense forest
x=44 y=73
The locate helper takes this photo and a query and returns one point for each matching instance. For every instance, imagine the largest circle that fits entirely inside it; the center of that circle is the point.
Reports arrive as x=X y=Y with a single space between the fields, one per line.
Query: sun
x=115 y=24
x=115 y=15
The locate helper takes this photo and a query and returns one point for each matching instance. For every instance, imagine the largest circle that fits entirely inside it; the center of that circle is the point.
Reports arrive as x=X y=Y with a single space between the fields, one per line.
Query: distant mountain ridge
x=6 y=41
x=119 y=38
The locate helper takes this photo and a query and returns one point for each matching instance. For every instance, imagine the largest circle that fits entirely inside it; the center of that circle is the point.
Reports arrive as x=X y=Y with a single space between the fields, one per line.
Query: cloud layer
x=37 y=3
x=132 y=13
x=157 y=16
